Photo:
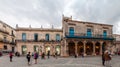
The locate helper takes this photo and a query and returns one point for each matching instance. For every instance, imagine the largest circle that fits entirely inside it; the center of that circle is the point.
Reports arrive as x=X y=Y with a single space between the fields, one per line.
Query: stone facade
x=86 y=37
x=38 y=37
x=7 y=37
x=75 y=38
x=116 y=48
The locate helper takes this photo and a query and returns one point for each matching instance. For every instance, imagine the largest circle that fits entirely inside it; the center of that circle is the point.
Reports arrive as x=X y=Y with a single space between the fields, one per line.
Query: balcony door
x=104 y=33
x=36 y=37
x=89 y=32
x=47 y=37
x=71 y=31
x=23 y=36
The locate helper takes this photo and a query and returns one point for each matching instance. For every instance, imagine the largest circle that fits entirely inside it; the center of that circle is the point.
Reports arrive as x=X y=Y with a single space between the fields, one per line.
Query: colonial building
x=7 y=37
x=116 y=48
x=86 y=38
x=38 y=39
x=75 y=37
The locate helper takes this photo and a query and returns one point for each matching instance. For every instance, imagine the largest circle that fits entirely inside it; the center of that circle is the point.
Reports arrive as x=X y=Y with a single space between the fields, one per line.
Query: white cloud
x=49 y=12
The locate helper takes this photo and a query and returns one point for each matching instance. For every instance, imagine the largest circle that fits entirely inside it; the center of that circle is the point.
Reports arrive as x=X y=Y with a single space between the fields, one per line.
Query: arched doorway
x=71 y=48
x=97 y=48
x=57 y=48
x=24 y=49
x=36 y=48
x=47 y=49
x=103 y=47
x=80 y=48
x=89 y=48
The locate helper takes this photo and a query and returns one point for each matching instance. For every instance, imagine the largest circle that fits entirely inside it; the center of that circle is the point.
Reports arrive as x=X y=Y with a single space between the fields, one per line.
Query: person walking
x=28 y=56
x=36 y=57
x=43 y=56
x=107 y=59
x=48 y=54
x=103 y=59
x=11 y=56
x=56 y=53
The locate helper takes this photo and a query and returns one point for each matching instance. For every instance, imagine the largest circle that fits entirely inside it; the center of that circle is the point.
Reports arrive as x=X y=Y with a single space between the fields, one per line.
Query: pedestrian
x=36 y=57
x=76 y=55
x=107 y=59
x=43 y=56
x=11 y=56
x=48 y=54
x=28 y=56
x=56 y=53
x=83 y=54
x=103 y=59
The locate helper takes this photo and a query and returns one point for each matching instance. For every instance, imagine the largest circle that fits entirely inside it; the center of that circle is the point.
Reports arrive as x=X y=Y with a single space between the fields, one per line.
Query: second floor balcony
x=89 y=36
x=13 y=43
x=42 y=40
x=3 y=31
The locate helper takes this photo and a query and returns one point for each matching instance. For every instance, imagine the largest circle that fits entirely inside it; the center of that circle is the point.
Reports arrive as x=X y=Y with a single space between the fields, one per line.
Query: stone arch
x=104 y=44
x=80 y=48
x=97 y=48
x=24 y=49
x=89 y=48
x=36 y=48
x=47 y=48
x=71 y=48
x=58 y=49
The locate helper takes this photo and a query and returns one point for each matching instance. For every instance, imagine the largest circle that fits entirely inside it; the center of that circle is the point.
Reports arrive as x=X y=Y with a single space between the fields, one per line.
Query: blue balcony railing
x=89 y=36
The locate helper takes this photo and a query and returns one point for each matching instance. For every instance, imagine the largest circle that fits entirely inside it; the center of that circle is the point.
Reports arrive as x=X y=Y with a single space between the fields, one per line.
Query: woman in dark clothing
x=28 y=58
x=11 y=56
x=103 y=59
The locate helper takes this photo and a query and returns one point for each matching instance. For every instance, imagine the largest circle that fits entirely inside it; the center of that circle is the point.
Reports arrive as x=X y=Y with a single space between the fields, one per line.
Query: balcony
x=42 y=40
x=3 y=31
x=13 y=35
x=5 y=41
x=86 y=36
x=13 y=43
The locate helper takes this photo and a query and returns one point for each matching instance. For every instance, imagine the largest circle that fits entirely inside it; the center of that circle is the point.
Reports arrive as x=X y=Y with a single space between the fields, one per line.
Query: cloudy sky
x=49 y=12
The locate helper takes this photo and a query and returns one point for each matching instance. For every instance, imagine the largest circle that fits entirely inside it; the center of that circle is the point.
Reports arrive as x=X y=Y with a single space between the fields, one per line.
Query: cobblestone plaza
x=60 y=62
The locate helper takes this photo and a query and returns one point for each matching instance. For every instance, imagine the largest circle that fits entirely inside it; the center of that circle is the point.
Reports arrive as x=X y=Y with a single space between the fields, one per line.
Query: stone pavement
x=60 y=62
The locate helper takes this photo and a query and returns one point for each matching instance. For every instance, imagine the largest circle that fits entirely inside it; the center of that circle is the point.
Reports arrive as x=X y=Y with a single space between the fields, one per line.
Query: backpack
x=28 y=56
x=36 y=55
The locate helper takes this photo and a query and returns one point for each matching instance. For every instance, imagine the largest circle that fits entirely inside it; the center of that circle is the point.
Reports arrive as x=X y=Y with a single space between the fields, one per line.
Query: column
x=100 y=48
x=84 y=44
x=94 y=48
x=65 y=49
x=76 y=48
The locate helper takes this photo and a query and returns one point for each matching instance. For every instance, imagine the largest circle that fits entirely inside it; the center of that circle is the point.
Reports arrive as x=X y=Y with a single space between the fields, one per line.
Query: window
x=104 y=33
x=12 y=33
x=89 y=32
x=71 y=31
x=47 y=37
x=5 y=39
x=5 y=47
x=57 y=37
x=12 y=39
x=24 y=36
x=36 y=37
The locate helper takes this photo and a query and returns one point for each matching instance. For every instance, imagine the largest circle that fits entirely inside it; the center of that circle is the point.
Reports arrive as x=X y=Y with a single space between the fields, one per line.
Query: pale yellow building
x=116 y=48
x=86 y=38
x=38 y=39
x=7 y=38
x=75 y=37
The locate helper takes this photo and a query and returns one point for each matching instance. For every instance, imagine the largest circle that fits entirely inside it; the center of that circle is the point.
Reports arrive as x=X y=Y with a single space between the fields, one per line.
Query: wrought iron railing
x=84 y=35
x=13 y=43
x=42 y=40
